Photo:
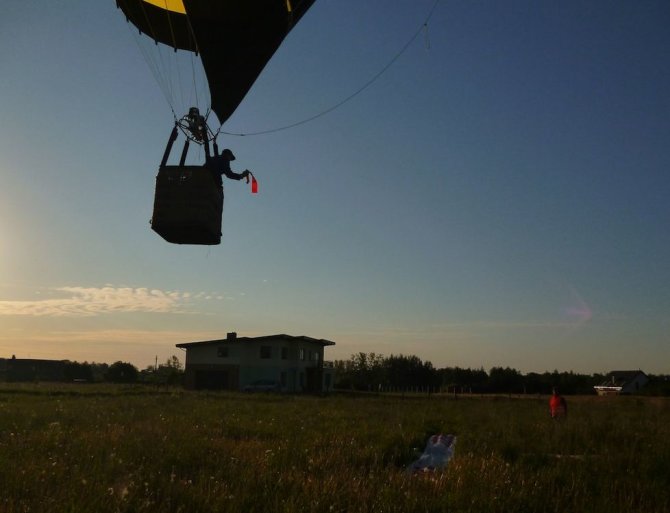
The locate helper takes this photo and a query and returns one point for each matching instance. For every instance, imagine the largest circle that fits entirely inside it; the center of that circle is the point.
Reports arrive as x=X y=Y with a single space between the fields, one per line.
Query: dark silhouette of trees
x=408 y=371
x=122 y=372
x=75 y=371
x=659 y=385
x=362 y=371
x=505 y=380
x=463 y=380
x=169 y=373
x=370 y=371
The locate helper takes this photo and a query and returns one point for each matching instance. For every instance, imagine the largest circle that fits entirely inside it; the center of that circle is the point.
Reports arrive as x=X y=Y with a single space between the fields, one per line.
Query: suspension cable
x=154 y=68
x=194 y=54
x=422 y=28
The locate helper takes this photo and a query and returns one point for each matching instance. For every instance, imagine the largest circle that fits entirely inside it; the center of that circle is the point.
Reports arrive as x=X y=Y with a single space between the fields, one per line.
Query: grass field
x=95 y=448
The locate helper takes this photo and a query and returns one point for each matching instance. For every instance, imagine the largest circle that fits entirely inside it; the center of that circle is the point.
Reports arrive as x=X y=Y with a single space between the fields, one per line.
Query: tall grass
x=106 y=448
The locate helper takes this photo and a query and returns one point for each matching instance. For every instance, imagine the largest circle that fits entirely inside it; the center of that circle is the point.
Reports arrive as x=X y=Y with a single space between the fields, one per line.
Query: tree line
x=373 y=372
x=16 y=370
x=170 y=372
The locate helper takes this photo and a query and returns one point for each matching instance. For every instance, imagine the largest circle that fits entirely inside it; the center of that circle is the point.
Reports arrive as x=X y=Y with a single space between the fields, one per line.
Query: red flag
x=254 y=185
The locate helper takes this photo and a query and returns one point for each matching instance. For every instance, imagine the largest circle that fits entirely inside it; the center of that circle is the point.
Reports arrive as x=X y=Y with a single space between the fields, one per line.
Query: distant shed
x=30 y=369
x=622 y=383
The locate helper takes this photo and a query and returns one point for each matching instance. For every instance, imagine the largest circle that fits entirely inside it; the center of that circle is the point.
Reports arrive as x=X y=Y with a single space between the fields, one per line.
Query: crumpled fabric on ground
x=439 y=450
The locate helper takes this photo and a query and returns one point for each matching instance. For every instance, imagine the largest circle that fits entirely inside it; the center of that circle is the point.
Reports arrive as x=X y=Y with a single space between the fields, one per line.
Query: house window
x=284 y=353
x=222 y=352
x=301 y=353
x=282 y=379
x=315 y=356
x=266 y=352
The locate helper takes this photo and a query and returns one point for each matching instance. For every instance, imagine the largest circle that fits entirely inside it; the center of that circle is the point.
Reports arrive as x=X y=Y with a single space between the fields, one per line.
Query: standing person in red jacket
x=557 y=405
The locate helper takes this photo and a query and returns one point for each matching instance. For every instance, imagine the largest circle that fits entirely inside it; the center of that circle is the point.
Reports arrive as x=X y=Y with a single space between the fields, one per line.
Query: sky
x=498 y=196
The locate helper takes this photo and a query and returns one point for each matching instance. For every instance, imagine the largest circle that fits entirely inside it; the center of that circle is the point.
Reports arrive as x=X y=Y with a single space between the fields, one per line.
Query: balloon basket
x=188 y=205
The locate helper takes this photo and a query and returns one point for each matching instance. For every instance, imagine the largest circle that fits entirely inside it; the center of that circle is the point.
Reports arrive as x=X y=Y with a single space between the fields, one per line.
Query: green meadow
x=105 y=448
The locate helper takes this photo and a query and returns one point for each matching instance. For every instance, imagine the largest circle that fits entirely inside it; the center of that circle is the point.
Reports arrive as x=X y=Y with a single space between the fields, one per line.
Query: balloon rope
x=154 y=68
x=195 y=85
x=193 y=56
x=423 y=27
x=152 y=63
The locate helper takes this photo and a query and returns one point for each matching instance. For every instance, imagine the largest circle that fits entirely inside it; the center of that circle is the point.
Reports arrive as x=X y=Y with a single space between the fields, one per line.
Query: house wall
x=296 y=365
x=635 y=385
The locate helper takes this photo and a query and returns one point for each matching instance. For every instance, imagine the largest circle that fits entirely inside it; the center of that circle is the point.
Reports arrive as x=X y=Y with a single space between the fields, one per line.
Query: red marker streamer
x=254 y=182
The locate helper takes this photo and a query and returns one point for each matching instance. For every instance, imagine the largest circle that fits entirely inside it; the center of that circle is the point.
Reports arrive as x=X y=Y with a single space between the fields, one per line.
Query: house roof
x=283 y=337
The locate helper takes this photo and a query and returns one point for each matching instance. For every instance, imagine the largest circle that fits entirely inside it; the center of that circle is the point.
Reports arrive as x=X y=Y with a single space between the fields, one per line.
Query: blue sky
x=499 y=196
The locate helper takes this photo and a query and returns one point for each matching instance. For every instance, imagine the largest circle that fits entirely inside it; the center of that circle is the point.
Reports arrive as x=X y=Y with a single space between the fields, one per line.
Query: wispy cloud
x=91 y=301
x=93 y=339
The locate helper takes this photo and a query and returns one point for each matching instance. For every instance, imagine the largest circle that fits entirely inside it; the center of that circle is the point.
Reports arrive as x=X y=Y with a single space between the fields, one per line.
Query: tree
x=75 y=371
x=505 y=380
x=122 y=372
x=169 y=373
x=409 y=371
x=366 y=371
x=173 y=363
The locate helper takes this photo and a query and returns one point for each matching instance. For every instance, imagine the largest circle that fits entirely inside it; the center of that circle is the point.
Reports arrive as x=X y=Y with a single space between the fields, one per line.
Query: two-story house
x=296 y=364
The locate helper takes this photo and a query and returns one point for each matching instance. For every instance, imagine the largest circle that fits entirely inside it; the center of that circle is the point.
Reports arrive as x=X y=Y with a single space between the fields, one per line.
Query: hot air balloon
x=234 y=40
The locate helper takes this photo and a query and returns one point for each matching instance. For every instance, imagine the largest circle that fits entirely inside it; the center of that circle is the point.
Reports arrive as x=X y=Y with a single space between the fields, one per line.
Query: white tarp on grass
x=439 y=450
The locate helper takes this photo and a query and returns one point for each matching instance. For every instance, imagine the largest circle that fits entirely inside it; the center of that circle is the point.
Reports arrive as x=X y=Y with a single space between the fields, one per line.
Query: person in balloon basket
x=558 y=407
x=219 y=165
x=196 y=124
